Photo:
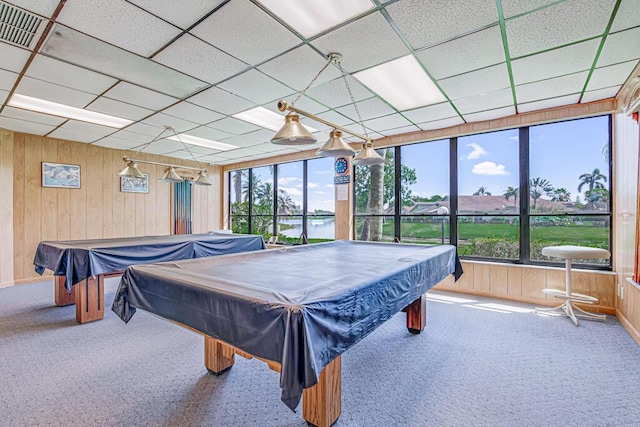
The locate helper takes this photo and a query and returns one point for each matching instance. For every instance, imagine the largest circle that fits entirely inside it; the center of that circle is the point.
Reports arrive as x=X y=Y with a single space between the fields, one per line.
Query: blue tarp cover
x=301 y=306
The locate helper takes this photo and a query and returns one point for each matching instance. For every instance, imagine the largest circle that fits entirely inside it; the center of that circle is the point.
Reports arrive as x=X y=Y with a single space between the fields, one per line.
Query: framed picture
x=60 y=175
x=134 y=185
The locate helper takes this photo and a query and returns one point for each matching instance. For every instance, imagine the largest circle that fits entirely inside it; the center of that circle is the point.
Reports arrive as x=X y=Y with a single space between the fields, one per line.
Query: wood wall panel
x=79 y=195
x=49 y=195
x=64 y=196
x=93 y=180
x=6 y=207
x=32 y=200
x=18 y=206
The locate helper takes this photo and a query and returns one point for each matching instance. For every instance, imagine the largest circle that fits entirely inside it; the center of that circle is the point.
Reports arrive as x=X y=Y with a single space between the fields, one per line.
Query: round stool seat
x=575 y=252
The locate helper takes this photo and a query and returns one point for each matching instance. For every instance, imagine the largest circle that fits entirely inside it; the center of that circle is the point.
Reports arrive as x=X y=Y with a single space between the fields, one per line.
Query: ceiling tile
x=54 y=93
x=297 y=68
x=209 y=133
x=81 y=132
x=391 y=121
x=63 y=74
x=613 y=75
x=369 y=109
x=627 y=16
x=233 y=126
x=13 y=58
x=161 y=146
x=144 y=129
x=137 y=138
x=332 y=116
x=364 y=43
x=554 y=63
x=261 y=136
x=30 y=116
x=185 y=155
x=549 y=103
x=221 y=101
x=40 y=7
x=595 y=95
x=115 y=143
x=425 y=23
x=118 y=109
x=136 y=95
x=161 y=120
x=547 y=28
x=485 y=101
x=490 y=114
x=3 y=96
x=404 y=129
x=241 y=152
x=620 y=47
x=476 y=82
x=565 y=85
x=7 y=79
x=199 y=59
x=430 y=113
x=441 y=124
x=184 y=16
x=193 y=113
x=516 y=7
x=244 y=141
x=213 y=159
x=305 y=103
x=335 y=94
x=24 y=126
x=256 y=87
x=463 y=54
x=119 y=23
x=262 y=36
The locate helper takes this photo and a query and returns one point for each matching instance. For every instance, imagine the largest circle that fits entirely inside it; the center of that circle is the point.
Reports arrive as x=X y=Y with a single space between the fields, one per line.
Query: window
x=289 y=205
x=321 y=201
x=239 y=200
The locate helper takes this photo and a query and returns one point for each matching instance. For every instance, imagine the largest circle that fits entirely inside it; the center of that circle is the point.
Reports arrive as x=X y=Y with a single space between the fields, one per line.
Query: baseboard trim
x=33 y=280
x=635 y=334
x=6 y=284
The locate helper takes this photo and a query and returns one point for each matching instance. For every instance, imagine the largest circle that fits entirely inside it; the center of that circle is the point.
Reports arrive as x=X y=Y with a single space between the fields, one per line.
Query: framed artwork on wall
x=134 y=185
x=60 y=175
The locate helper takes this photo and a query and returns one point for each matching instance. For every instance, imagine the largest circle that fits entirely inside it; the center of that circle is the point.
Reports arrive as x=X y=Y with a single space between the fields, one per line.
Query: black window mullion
x=397 y=193
x=453 y=191
x=250 y=199
x=275 y=200
x=525 y=248
x=305 y=205
x=610 y=152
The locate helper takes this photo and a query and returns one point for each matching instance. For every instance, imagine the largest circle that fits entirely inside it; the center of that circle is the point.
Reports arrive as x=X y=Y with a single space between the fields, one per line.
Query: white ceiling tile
x=221 y=101
x=193 y=113
x=185 y=155
x=119 y=23
x=241 y=152
x=40 y=7
x=118 y=109
x=81 y=132
x=335 y=94
x=261 y=136
x=565 y=85
x=137 y=138
x=184 y=16
x=233 y=126
x=476 y=82
x=332 y=116
x=516 y=7
x=391 y=121
x=490 y=114
x=256 y=87
x=3 y=96
x=554 y=63
x=115 y=143
x=369 y=109
x=262 y=36
x=13 y=58
x=549 y=103
x=463 y=54
x=30 y=116
x=243 y=141
x=63 y=74
x=595 y=95
x=621 y=47
x=161 y=120
x=441 y=124
x=213 y=159
x=425 y=23
x=613 y=75
x=364 y=43
x=136 y=95
x=627 y=16
x=209 y=133
x=305 y=103
x=402 y=130
x=162 y=146
x=197 y=150
x=430 y=113
x=485 y=101
x=199 y=59
x=547 y=28
x=297 y=68
x=144 y=129
x=7 y=79
x=24 y=126
x=54 y=93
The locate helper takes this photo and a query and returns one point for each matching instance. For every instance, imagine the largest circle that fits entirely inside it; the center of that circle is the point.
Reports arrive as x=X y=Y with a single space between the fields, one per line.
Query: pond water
x=321 y=228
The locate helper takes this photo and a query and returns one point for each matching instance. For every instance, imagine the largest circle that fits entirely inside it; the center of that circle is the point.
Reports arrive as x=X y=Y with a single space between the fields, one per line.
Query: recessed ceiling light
x=402 y=83
x=310 y=17
x=202 y=142
x=66 y=111
x=265 y=118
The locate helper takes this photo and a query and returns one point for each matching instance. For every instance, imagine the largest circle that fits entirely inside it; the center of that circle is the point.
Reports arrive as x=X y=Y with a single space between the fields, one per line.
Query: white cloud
x=329 y=185
x=514 y=138
x=287 y=180
x=291 y=191
x=313 y=185
x=320 y=192
x=488 y=168
x=477 y=151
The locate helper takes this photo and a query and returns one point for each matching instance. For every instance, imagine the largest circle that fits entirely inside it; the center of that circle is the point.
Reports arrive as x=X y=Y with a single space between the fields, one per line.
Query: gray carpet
x=479 y=362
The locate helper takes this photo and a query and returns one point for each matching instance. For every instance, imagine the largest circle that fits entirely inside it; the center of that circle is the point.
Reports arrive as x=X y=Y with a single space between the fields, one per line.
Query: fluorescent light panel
x=310 y=17
x=66 y=111
x=202 y=142
x=266 y=118
x=402 y=83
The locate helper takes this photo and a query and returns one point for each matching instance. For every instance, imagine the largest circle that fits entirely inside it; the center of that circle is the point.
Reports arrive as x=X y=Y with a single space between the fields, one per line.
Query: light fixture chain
x=329 y=61
x=166 y=128
x=353 y=101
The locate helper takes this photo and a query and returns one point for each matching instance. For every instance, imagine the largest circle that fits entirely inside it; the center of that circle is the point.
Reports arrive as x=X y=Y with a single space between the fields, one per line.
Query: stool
x=569 y=253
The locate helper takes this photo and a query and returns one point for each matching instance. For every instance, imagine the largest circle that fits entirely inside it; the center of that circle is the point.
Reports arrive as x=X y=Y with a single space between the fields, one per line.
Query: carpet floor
x=479 y=362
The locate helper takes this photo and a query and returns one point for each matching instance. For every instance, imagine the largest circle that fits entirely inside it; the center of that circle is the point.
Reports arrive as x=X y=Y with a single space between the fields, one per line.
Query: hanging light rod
x=128 y=159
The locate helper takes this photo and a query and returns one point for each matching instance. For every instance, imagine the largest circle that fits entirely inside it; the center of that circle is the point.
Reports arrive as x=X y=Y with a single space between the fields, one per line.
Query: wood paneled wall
x=6 y=208
x=98 y=209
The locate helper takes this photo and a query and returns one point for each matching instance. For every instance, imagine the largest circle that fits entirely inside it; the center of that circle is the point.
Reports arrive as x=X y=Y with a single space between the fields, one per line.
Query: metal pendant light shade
x=201 y=179
x=293 y=132
x=335 y=146
x=170 y=175
x=131 y=171
x=367 y=156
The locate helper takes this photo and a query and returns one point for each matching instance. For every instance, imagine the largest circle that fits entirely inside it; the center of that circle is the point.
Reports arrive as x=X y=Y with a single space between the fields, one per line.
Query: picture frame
x=60 y=175
x=134 y=185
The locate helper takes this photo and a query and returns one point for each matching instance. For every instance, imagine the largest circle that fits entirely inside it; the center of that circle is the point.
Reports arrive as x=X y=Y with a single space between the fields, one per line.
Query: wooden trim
x=417 y=315
x=635 y=334
x=322 y=403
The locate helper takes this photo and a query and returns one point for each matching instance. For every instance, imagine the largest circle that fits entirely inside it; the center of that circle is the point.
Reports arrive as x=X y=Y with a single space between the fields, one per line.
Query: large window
x=469 y=190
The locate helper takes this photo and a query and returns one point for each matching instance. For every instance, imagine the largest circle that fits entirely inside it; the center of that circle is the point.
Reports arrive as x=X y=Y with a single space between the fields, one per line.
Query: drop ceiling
x=194 y=66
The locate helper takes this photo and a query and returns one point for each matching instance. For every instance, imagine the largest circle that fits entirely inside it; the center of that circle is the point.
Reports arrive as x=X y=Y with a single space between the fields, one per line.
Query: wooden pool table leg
x=218 y=357
x=62 y=296
x=322 y=403
x=90 y=299
x=417 y=315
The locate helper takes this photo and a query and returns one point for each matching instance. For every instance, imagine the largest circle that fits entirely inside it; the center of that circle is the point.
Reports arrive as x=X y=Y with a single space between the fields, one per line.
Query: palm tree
x=512 y=192
x=539 y=187
x=286 y=206
x=592 y=180
x=561 y=195
x=482 y=191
